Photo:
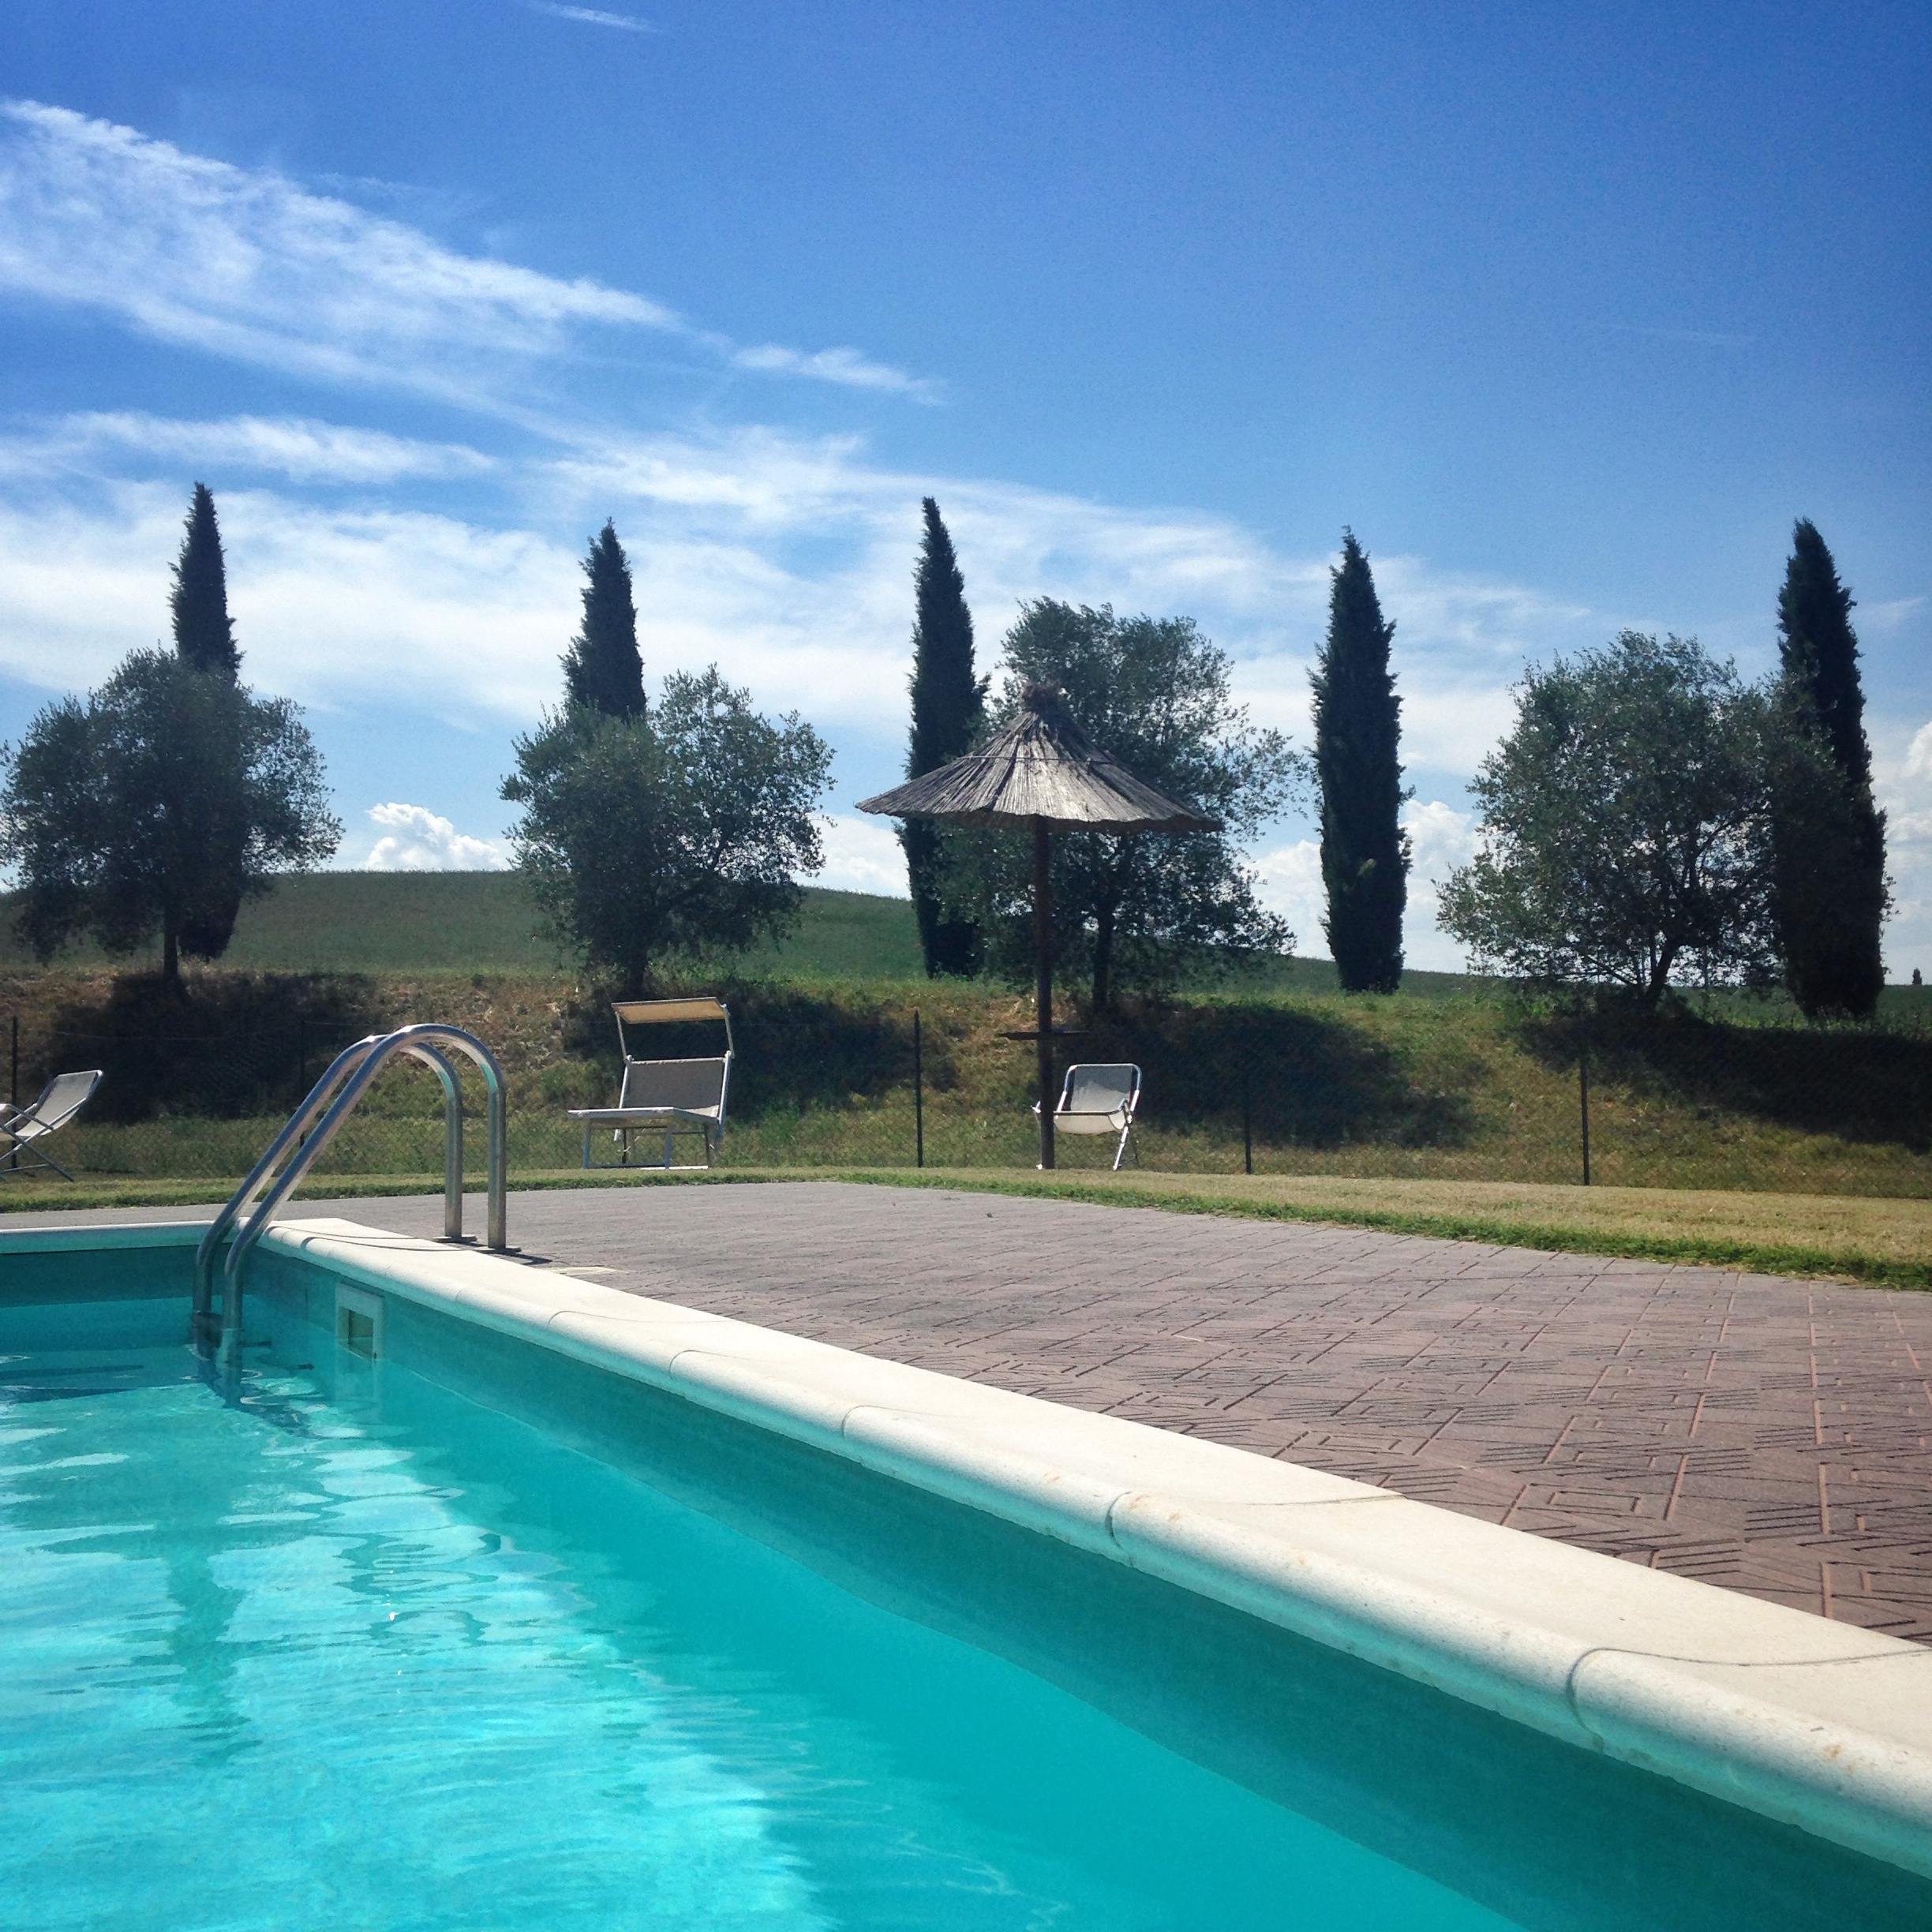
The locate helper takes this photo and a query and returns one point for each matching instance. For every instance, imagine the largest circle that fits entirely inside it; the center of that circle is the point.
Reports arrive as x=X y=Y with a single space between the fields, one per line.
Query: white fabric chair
x=667 y=1097
x=1099 y=1099
x=22 y=1129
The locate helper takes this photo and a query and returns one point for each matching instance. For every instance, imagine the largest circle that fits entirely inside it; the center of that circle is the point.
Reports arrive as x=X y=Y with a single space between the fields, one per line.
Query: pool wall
x=1811 y=1722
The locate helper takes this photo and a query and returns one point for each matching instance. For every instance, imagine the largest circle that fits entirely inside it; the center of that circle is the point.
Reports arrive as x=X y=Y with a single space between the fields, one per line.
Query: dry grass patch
x=1851 y=1237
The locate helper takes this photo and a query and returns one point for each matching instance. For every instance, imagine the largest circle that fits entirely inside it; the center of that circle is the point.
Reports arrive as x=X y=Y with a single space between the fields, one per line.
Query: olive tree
x=1138 y=910
x=1626 y=826
x=155 y=806
x=682 y=829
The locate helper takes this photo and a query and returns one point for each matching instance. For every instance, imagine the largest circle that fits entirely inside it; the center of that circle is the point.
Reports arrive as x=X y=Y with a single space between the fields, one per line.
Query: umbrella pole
x=1042 y=983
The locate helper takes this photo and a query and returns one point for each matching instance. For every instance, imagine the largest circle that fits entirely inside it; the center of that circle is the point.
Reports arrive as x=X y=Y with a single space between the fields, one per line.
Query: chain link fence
x=1722 y=1096
x=213 y=1101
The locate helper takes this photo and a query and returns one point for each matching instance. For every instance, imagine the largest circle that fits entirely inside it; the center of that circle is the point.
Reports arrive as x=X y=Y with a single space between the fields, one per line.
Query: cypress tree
x=204 y=641
x=1365 y=852
x=1828 y=834
x=603 y=668
x=204 y=631
x=947 y=708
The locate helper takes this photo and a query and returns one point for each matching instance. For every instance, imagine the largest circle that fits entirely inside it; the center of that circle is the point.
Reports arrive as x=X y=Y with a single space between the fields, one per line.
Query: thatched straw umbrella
x=1039 y=771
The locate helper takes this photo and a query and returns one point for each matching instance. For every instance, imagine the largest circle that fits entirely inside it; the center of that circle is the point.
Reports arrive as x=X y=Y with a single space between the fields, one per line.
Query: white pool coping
x=1817 y=1723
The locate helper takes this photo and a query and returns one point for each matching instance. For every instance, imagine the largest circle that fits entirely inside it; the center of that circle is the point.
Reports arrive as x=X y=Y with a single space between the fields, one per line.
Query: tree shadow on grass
x=1306 y=1080
x=1855 y=1083
x=1310 y=1081
x=224 y=1046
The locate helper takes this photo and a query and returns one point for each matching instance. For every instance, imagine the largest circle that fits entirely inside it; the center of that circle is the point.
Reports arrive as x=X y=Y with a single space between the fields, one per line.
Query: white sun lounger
x=673 y=1098
x=1098 y=1099
x=22 y=1129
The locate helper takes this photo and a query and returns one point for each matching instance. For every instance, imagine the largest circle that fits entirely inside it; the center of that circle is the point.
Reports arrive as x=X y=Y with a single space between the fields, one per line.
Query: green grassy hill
x=483 y=922
x=1443 y=1082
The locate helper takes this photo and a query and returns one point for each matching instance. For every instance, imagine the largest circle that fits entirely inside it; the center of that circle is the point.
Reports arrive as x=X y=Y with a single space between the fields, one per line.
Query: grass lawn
x=1448 y=1090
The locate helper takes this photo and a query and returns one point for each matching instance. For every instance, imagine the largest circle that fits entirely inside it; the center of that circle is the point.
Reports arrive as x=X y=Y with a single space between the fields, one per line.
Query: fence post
x=1247 y=1118
x=919 y=1095
x=14 y=1085
x=1583 y=1090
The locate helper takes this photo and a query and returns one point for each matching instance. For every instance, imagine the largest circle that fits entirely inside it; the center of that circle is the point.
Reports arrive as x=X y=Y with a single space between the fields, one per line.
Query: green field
x=484 y=921
x=1409 y=1111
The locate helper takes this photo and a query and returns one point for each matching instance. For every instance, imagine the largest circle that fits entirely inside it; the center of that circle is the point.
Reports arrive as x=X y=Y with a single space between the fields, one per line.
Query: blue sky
x=1567 y=313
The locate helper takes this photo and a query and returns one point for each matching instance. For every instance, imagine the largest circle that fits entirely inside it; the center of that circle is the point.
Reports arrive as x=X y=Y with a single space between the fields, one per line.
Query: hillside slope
x=484 y=921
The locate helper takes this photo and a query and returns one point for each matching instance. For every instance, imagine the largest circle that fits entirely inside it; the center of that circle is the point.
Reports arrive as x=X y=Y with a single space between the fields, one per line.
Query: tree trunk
x=1660 y=975
x=1042 y=983
x=1103 y=959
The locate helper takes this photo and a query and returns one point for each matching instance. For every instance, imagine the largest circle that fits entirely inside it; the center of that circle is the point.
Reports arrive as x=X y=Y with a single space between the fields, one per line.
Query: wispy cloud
x=783 y=559
x=332 y=605
x=246 y=264
x=299 y=448
x=1702 y=338
x=1889 y=616
x=593 y=17
x=846 y=367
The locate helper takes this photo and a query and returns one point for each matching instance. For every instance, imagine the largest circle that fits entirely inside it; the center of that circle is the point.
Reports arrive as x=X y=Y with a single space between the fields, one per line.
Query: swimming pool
x=421 y=1627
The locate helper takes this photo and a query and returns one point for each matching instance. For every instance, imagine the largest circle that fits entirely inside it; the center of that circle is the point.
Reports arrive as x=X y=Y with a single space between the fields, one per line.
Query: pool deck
x=1767 y=1434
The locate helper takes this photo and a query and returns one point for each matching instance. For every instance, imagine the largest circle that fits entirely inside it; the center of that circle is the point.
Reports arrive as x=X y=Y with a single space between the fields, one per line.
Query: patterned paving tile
x=1773 y=1436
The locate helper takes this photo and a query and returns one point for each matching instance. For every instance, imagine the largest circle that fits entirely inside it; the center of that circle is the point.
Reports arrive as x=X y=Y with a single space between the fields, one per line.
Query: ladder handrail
x=333 y=1098
x=299 y=1123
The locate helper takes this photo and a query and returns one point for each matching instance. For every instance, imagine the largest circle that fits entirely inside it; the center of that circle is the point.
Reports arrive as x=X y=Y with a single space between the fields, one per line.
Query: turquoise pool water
x=360 y=1649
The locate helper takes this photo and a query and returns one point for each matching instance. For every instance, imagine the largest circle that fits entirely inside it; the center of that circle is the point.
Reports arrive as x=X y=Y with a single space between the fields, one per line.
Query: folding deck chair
x=22 y=1129
x=670 y=1097
x=1098 y=1099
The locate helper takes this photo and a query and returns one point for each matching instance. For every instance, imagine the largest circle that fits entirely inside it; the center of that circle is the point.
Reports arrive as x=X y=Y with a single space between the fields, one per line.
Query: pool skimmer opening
x=359 y=1321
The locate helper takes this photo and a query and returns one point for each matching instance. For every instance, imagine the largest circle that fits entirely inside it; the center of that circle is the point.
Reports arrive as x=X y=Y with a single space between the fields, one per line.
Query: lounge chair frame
x=1100 y=1098
x=22 y=1129
x=677 y=1099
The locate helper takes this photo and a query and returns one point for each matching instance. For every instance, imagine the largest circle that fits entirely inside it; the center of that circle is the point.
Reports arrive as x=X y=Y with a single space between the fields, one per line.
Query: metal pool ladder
x=310 y=1129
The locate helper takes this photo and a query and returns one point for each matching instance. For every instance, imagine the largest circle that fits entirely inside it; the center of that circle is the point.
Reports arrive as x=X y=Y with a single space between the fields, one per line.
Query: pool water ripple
x=356 y=1651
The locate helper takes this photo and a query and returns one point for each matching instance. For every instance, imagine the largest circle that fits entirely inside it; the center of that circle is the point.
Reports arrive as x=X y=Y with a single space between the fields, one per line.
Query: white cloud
x=1905 y=787
x=1889 y=616
x=863 y=856
x=299 y=448
x=330 y=604
x=245 y=264
x=593 y=17
x=1289 y=881
x=418 y=841
x=1441 y=838
x=845 y=366
x=784 y=559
